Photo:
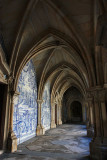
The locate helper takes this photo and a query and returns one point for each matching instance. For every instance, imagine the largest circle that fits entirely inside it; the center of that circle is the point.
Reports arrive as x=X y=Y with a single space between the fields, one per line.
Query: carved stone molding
x=2 y=77
x=4 y=68
x=39 y=101
x=97 y=93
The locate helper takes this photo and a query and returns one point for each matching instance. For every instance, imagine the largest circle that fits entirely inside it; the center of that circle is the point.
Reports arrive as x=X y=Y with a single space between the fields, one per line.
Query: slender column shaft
x=98 y=122
x=39 y=130
x=104 y=117
x=84 y=113
x=98 y=146
x=91 y=112
x=11 y=115
x=53 y=125
x=39 y=111
x=12 y=139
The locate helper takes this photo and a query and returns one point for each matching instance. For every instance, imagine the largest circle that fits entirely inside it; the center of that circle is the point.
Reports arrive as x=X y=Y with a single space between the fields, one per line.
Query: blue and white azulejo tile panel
x=46 y=107
x=25 y=107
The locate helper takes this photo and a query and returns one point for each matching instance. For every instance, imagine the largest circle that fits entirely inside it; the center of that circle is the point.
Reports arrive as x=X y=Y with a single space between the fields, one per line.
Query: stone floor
x=66 y=142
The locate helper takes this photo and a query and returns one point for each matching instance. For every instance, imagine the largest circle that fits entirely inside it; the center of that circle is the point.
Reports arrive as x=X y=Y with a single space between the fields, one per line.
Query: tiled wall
x=25 y=108
x=46 y=107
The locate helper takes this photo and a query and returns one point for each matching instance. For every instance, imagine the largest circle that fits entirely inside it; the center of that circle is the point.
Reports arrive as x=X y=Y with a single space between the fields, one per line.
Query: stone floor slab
x=66 y=142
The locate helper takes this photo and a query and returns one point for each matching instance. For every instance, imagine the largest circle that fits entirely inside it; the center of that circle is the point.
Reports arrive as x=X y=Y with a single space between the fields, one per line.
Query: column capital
x=89 y=99
x=14 y=93
x=97 y=93
x=39 y=101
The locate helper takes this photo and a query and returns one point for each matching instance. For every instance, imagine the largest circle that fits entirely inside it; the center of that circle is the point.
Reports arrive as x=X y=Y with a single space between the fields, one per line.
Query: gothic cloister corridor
x=53 y=79
x=66 y=142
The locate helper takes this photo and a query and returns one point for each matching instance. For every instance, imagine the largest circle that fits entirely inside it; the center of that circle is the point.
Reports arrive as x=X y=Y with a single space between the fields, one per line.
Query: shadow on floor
x=66 y=142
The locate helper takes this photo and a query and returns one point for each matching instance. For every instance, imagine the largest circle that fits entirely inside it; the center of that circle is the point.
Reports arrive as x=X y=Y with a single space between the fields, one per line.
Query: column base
x=60 y=122
x=12 y=142
x=53 y=125
x=1 y=152
x=40 y=130
x=98 y=151
x=105 y=85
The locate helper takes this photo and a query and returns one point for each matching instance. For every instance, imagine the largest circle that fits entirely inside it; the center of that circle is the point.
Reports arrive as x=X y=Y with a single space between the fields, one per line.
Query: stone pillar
x=104 y=117
x=39 y=130
x=87 y=120
x=90 y=129
x=12 y=139
x=59 y=111
x=83 y=113
x=53 y=125
x=98 y=146
x=57 y=108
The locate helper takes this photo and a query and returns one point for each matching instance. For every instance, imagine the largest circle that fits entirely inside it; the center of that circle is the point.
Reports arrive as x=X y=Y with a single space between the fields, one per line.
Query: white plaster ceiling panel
x=75 y=7
x=49 y=40
x=70 y=81
x=11 y=13
x=39 y=62
x=67 y=79
x=80 y=11
x=77 y=58
x=59 y=57
x=42 y=18
x=72 y=18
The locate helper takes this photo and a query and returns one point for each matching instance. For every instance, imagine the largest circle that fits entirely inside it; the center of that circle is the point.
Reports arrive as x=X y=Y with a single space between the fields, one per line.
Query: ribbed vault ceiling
x=58 y=35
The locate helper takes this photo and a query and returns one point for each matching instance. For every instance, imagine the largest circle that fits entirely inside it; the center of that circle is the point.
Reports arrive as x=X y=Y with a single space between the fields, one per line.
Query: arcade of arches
x=53 y=69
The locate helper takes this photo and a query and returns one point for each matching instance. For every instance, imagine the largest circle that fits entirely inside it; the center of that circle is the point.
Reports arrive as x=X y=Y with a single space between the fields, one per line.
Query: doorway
x=76 y=111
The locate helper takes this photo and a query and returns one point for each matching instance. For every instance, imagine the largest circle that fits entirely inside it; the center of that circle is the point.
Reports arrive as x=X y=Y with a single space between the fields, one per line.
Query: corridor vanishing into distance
x=53 y=79
x=66 y=142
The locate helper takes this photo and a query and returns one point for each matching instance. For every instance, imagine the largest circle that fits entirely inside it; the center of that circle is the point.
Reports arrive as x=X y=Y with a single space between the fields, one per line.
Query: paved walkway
x=66 y=142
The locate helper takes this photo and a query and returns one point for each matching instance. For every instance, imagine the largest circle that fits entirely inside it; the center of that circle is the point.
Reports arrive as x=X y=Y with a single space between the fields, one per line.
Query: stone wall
x=46 y=107
x=25 y=108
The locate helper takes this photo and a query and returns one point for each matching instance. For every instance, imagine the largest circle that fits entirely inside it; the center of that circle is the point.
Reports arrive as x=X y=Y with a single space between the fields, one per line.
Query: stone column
x=90 y=130
x=39 y=130
x=104 y=118
x=12 y=139
x=53 y=125
x=59 y=112
x=83 y=112
x=87 y=120
x=57 y=122
x=98 y=146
